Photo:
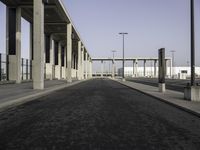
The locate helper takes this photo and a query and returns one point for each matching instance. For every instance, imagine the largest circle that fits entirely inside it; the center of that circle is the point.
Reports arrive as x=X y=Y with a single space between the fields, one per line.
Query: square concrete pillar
x=14 y=43
x=69 y=53
x=155 y=68
x=86 y=65
x=38 y=44
x=90 y=68
x=58 y=67
x=79 y=60
x=113 y=68
x=102 y=68
x=144 y=68
x=52 y=57
x=82 y=63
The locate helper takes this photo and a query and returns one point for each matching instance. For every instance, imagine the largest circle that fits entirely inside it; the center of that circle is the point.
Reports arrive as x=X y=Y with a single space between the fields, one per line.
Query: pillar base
x=14 y=68
x=192 y=93
x=58 y=72
x=49 y=71
x=161 y=87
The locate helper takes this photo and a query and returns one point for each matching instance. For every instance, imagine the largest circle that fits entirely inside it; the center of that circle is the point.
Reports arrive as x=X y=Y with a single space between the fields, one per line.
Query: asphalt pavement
x=98 y=114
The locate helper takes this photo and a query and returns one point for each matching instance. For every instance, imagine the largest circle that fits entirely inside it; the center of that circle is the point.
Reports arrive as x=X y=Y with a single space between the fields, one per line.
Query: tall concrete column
x=59 y=66
x=155 y=68
x=82 y=63
x=144 y=68
x=86 y=65
x=79 y=60
x=136 y=68
x=52 y=58
x=31 y=49
x=102 y=68
x=91 y=68
x=113 y=68
x=65 y=61
x=133 y=68
x=171 y=68
x=69 y=53
x=166 y=66
x=38 y=44
x=14 y=43
x=48 y=50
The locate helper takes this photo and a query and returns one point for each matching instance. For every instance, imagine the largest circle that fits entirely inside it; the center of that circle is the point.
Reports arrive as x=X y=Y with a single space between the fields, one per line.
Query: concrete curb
x=161 y=99
x=16 y=102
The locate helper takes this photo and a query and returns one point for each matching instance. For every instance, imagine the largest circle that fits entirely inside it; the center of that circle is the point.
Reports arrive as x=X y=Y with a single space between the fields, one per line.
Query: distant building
x=176 y=72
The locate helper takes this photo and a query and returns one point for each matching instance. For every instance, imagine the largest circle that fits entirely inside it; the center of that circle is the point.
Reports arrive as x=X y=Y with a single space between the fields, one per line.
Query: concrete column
x=155 y=68
x=14 y=43
x=65 y=61
x=113 y=68
x=144 y=68
x=86 y=65
x=52 y=57
x=102 y=68
x=166 y=66
x=79 y=60
x=49 y=57
x=38 y=44
x=60 y=60
x=82 y=63
x=171 y=68
x=136 y=68
x=133 y=68
x=91 y=69
x=31 y=49
x=69 y=53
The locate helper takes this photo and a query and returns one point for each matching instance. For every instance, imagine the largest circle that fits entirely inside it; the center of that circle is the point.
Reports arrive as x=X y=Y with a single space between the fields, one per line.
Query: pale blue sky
x=151 y=24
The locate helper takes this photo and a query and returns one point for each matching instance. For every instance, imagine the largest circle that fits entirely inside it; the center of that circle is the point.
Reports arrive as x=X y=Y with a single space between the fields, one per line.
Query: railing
x=26 y=69
x=3 y=67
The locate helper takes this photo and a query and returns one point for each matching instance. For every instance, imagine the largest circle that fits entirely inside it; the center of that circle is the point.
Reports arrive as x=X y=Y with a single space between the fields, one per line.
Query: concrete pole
x=113 y=68
x=52 y=57
x=65 y=61
x=14 y=43
x=171 y=68
x=102 y=68
x=86 y=59
x=31 y=49
x=91 y=69
x=155 y=68
x=38 y=44
x=134 y=69
x=79 y=60
x=144 y=68
x=69 y=53
x=88 y=67
x=82 y=63
x=166 y=66
x=59 y=61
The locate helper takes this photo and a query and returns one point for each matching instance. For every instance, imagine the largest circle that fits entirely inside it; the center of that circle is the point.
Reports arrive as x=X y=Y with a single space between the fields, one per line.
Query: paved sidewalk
x=170 y=97
x=15 y=94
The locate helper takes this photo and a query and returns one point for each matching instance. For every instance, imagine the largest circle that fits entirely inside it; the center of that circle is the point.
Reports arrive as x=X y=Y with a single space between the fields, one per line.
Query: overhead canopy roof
x=56 y=17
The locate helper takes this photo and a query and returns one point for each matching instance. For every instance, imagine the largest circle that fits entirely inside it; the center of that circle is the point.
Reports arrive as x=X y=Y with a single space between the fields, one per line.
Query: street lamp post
x=173 y=62
x=123 y=34
x=192 y=45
